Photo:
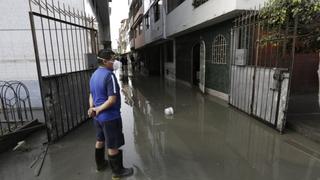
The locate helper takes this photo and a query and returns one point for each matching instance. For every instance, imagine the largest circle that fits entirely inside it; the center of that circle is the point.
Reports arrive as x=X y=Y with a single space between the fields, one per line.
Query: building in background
x=148 y=36
x=123 y=41
x=102 y=10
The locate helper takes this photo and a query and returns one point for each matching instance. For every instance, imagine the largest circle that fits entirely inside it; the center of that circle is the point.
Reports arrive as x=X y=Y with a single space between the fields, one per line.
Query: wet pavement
x=204 y=139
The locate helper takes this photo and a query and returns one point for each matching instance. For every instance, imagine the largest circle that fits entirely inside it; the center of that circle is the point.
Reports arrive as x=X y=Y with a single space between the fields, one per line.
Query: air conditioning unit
x=241 y=57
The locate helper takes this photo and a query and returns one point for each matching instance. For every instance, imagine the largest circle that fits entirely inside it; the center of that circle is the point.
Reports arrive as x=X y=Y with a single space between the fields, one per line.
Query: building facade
x=198 y=43
x=124 y=42
x=187 y=40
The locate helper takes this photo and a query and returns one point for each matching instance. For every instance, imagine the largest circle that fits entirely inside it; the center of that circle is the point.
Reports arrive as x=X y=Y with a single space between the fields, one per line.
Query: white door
x=202 y=67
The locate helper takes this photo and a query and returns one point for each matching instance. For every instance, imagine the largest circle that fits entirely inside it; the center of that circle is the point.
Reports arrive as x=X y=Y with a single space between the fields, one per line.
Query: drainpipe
x=164 y=36
x=164 y=20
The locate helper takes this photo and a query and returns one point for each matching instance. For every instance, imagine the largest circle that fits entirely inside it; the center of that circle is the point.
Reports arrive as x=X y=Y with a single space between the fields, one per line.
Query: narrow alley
x=205 y=139
x=209 y=90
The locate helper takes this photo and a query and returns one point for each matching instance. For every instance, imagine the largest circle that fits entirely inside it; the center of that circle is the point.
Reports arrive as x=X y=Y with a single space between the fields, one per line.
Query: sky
x=119 y=11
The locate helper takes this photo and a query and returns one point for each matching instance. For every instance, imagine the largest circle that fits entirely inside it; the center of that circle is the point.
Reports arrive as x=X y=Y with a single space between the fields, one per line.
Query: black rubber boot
x=116 y=163
x=101 y=163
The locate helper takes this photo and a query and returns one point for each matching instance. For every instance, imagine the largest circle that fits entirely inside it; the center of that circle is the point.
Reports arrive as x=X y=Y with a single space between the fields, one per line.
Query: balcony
x=131 y=43
x=138 y=14
x=139 y=40
x=154 y=19
x=204 y=13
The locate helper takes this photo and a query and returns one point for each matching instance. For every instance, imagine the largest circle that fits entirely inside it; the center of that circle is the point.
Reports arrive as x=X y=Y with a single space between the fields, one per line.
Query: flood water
x=204 y=139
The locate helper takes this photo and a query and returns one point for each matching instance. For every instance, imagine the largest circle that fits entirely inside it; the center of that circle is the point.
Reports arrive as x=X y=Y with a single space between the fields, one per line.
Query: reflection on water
x=205 y=139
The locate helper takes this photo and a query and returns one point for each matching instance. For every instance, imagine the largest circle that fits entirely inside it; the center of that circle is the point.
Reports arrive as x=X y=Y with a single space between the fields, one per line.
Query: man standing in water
x=105 y=106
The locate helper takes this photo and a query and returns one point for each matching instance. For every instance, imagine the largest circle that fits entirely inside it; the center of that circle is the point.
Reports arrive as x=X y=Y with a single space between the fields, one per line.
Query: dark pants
x=110 y=132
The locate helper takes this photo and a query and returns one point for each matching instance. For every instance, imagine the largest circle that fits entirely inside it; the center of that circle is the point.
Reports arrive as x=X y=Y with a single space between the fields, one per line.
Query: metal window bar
x=219 y=50
x=242 y=71
x=245 y=74
x=238 y=76
x=79 y=78
x=258 y=66
x=244 y=46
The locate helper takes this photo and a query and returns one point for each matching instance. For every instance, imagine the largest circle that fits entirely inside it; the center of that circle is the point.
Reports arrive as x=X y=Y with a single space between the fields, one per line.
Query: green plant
x=282 y=11
x=286 y=14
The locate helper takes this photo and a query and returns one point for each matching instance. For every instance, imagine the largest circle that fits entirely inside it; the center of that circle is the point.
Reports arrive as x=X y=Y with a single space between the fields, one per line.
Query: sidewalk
x=205 y=139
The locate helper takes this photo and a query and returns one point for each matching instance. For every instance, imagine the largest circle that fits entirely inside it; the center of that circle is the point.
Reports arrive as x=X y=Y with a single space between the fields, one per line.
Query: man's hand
x=97 y=110
x=91 y=112
x=107 y=104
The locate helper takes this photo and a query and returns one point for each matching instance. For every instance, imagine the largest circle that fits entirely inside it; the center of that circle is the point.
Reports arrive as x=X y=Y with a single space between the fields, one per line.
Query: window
x=147 y=20
x=243 y=43
x=172 y=4
x=137 y=32
x=136 y=5
x=140 y=27
x=197 y=3
x=219 y=50
x=156 y=10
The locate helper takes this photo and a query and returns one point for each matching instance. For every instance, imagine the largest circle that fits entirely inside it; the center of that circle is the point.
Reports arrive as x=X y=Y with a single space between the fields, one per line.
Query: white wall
x=185 y=16
x=250 y=4
x=157 y=27
x=16 y=47
x=17 y=60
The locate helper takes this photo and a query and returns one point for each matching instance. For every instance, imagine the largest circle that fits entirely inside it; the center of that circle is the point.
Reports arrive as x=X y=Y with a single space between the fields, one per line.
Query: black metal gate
x=63 y=38
x=262 y=58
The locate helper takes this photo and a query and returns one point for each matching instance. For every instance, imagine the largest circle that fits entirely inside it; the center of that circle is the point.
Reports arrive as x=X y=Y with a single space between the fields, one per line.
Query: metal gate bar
x=66 y=36
x=260 y=72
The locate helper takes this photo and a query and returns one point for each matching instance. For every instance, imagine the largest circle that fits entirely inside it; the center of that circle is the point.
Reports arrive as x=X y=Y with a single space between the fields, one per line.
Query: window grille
x=219 y=50
x=156 y=9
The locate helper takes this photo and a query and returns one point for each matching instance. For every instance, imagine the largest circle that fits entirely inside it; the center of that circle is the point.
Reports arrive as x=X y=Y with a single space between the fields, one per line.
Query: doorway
x=198 y=65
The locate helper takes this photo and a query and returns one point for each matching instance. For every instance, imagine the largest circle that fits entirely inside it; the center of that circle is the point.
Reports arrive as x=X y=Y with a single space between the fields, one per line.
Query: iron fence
x=262 y=57
x=63 y=39
x=15 y=106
